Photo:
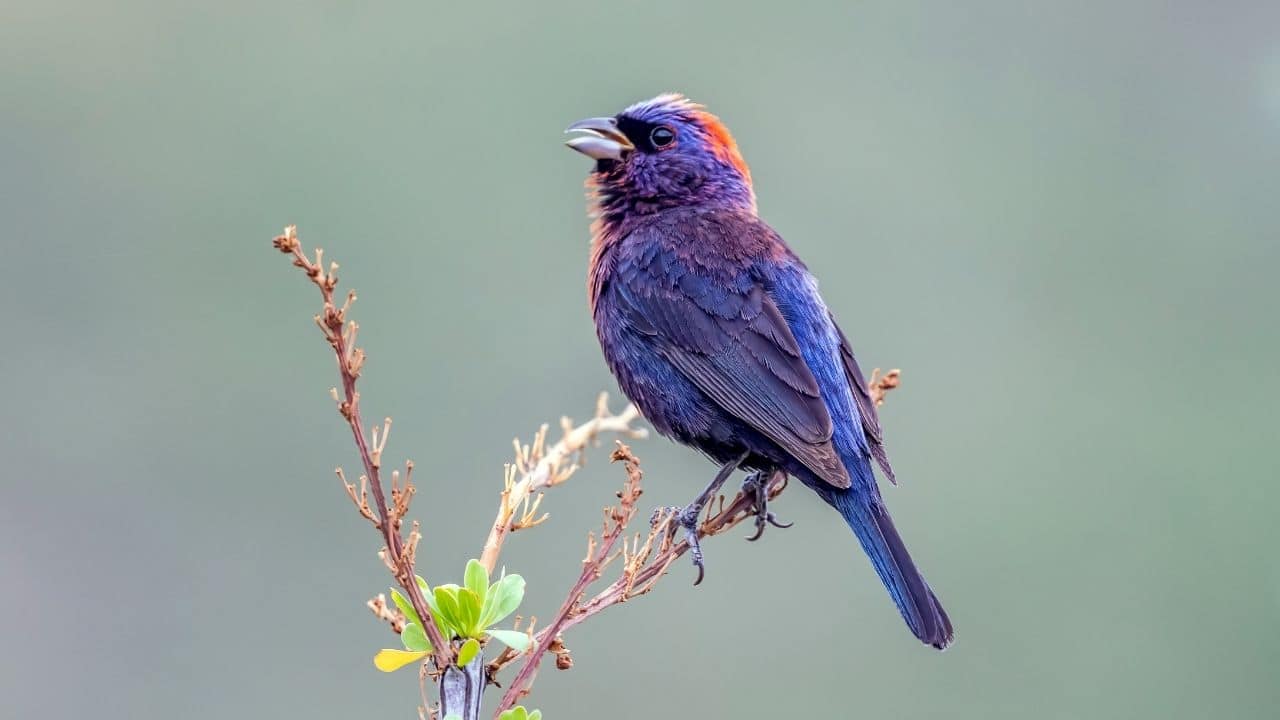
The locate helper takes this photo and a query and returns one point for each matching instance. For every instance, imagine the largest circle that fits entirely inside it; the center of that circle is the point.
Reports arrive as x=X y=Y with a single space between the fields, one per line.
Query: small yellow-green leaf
x=414 y=638
x=514 y=639
x=430 y=598
x=469 y=613
x=506 y=594
x=535 y=715
x=392 y=660
x=447 y=605
x=405 y=606
x=476 y=578
x=468 y=651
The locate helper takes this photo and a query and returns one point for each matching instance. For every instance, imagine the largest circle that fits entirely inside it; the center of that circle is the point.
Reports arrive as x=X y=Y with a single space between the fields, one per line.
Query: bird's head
x=661 y=153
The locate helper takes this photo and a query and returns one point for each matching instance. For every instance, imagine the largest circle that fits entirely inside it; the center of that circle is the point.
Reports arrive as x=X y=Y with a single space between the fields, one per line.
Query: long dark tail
x=917 y=603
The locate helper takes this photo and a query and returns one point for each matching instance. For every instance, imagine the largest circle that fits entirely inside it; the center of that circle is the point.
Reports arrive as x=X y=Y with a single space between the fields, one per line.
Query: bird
x=715 y=329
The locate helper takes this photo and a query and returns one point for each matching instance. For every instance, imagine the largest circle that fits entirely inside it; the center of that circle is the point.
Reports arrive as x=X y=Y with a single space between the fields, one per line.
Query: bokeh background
x=1060 y=219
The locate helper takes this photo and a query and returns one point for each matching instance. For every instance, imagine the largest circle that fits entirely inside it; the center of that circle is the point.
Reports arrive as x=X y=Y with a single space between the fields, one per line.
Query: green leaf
x=430 y=598
x=476 y=578
x=468 y=651
x=447 y=605
x=514 y=639
x=516 y=713
x=405 y=606
x=392 y=660
x=507 y=595
x=486 y=607
x=535 y=715
x=469 y=613
x=414 y=638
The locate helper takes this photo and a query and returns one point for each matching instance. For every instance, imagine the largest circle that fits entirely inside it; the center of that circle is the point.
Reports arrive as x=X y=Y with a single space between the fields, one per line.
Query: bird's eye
x=662 y=136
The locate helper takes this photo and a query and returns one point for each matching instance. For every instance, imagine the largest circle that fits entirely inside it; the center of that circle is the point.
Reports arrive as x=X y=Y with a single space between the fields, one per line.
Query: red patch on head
x=722 y=143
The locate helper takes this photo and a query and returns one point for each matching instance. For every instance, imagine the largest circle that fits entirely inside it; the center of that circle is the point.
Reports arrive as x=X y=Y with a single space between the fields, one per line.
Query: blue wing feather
x=722 y=330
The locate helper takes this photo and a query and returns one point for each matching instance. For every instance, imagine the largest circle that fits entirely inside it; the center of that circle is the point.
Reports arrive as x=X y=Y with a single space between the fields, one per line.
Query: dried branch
x=645 y=560
x=599 y=554
x=398 y=553
x=647 y=566
x=538 y=467
x=389 y=614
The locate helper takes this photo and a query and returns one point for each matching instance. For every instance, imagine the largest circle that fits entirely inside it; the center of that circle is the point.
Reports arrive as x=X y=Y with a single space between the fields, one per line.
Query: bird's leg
x=756 y=486
x=688 y=517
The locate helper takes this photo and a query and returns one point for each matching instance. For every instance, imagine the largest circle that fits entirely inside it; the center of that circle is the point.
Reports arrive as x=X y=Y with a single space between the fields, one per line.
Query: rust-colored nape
x=722 y=142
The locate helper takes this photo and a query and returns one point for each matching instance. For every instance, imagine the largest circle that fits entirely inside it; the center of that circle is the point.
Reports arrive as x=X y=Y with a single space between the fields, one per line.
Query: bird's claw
x=756 y=486
x=684 y=519
x=687 y=518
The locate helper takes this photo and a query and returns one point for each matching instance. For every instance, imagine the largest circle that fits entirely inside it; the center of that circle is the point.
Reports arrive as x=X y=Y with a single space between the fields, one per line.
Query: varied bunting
x=715 y=329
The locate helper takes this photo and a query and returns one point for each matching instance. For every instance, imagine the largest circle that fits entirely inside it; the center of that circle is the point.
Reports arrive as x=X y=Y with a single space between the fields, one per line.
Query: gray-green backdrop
x=1059 y=218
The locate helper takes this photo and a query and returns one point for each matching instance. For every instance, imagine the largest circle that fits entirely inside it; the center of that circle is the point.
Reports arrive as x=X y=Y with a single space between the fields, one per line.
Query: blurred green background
x=1060 y=219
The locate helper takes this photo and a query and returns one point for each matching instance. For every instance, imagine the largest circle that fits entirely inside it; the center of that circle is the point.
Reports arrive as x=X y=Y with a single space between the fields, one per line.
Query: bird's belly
x=677 y=408
x=672 y=404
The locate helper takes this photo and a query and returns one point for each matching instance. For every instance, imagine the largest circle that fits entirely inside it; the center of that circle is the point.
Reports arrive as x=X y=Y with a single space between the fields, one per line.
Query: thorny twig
x=398 y=554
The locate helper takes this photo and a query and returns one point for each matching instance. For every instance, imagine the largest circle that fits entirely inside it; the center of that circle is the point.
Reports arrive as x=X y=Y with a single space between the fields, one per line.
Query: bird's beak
x=603 y=140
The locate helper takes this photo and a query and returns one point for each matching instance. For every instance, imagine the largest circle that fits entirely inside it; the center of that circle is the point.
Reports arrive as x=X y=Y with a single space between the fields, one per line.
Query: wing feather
x=731 y=341
x=866 y=406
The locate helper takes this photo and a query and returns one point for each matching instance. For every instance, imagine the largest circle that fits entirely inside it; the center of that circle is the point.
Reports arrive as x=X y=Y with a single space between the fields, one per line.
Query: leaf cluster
x=466 y=613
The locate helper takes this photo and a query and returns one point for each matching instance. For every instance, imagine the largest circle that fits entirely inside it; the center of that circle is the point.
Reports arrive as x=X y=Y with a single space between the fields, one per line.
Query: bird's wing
x=866 y=406
x=730 y=340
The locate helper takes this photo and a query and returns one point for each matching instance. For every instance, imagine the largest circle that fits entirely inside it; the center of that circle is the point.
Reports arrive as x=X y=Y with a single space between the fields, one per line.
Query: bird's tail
x=917 y=603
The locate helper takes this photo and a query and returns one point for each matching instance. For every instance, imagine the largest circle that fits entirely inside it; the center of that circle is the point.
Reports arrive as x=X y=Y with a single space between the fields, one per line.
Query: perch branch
x=645 y=560
x=599 y=554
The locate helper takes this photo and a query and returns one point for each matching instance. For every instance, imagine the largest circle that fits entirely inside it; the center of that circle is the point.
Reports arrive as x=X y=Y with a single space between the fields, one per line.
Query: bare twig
x=538 y=467
x=599 y=554
x=389 y=614
x=880 y=385
x=342 y=336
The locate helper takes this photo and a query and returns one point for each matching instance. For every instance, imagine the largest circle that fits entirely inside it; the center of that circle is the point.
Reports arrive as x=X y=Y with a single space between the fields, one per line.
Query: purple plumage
x=716 y=330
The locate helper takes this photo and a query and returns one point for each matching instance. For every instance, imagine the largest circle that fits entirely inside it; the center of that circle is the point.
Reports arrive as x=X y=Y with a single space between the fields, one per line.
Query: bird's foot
x=756 y=487
x=685 y=519
x=688 y=519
